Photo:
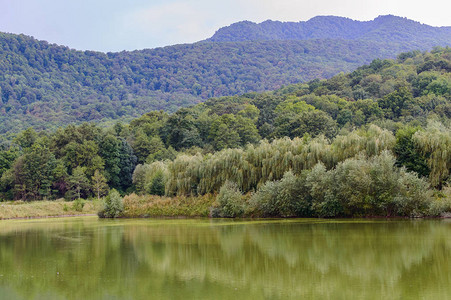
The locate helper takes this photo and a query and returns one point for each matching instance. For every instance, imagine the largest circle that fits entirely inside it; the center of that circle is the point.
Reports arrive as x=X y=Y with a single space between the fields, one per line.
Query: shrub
x=287 y=197
x=293 y=198
x=113 y=206
x=264 y=201
x=440 y=207
x=229 y=201
x=323 y=191
x=78 y=204
x=414 y=196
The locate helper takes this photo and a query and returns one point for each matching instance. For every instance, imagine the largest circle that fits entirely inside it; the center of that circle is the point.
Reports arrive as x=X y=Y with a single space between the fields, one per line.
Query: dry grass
x=154 y=206
x=37 y=209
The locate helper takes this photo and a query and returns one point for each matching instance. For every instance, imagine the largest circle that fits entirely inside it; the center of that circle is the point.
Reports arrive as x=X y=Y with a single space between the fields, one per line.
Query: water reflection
x=87 y=258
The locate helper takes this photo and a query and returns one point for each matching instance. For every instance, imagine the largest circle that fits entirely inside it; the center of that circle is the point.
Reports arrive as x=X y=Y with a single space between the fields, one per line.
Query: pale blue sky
x=113 y=25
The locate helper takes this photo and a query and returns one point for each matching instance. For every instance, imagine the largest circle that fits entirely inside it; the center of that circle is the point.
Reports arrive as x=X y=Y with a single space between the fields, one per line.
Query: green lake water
x=87 y=258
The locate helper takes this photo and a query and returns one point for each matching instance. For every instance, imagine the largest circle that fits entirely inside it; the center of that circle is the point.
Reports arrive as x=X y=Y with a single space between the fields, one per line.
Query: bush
x=264 y=201
x=287 y=197
x=113 y=206
x=414 y=196
x=359 y=186
x=78 y=204
x=440 y=207
x=229 y=201
x=293 y=198
x=323 y=191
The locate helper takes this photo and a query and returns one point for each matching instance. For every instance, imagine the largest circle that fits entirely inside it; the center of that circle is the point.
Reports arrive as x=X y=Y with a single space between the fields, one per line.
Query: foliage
x=372 y=142
x=253 y=166
x=79 y=182
x=64 y=163
x=229 y=203
x=78 y=204
x=284 y=198
x=407 y=154
x=157 y=186
x=388 y=28
x=99 y=184
x=113 y=206
x=150 y=178
x=435 y=142
x=156 y=206
x=44 y=85
x=355 y=187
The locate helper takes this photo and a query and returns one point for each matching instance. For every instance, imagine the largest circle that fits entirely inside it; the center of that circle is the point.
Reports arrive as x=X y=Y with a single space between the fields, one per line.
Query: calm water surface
x=87 y=258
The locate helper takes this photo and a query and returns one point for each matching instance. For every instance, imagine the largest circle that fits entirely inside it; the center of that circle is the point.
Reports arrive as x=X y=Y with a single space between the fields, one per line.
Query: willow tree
x=228 y=164
x=371 y=141
x=183 y=177
x=435 y=143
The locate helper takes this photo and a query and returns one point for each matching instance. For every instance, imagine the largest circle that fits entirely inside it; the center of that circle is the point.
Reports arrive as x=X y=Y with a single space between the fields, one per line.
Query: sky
x=116 y=25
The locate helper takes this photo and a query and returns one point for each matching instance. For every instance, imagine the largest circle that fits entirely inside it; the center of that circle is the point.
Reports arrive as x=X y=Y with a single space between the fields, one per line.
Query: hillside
x=374 y=142
x=383 y=28
x=46 y=85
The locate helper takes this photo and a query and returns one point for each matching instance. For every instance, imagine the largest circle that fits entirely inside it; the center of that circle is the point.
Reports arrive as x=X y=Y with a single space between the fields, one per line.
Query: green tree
x=113 y=206
x=26 y=138
x=83 y=154
x=79 y=182
x=223 y=133
x=395 y=102
x=435 y=142
x=407 y=154
x=99 y=184
x=35 y=172
x=7 y=158
x=141 y=146
x=157 y=184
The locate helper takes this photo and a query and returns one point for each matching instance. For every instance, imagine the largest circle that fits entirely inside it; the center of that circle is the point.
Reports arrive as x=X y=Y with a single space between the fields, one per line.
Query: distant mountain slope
x=46 y=85
x=383 y=28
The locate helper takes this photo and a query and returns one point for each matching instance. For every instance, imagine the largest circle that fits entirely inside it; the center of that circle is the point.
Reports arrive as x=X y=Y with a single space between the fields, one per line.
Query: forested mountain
x=45 y=85
x=374 y=142
x=401 y=105
x=383 y=28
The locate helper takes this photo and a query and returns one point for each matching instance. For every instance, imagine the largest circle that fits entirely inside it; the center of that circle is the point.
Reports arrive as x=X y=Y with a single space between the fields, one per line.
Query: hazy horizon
x=113 y=25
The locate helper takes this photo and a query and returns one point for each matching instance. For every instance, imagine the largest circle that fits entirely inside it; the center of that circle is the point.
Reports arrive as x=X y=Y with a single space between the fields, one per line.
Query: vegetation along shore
x=374 y=142
x=44 y=209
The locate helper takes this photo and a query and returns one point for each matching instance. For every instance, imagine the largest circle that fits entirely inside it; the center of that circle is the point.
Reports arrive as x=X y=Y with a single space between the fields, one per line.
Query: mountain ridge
x=318 y=27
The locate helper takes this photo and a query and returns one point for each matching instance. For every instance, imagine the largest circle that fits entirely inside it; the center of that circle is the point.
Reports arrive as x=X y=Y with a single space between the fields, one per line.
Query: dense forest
x=383 y=28
x=46 y=86
x=376 y=141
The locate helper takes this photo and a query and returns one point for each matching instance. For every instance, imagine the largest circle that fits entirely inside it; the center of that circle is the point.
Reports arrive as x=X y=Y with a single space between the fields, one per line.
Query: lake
x=88 y=258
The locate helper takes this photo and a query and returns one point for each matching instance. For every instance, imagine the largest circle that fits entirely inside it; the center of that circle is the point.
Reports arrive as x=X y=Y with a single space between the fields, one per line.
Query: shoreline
x=47 y=209
x=49 y=217
x=145 y=207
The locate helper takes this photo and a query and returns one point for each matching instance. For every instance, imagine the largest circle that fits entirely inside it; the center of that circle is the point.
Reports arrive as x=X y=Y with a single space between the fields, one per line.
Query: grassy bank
x=40 y=209
x=154 y=206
